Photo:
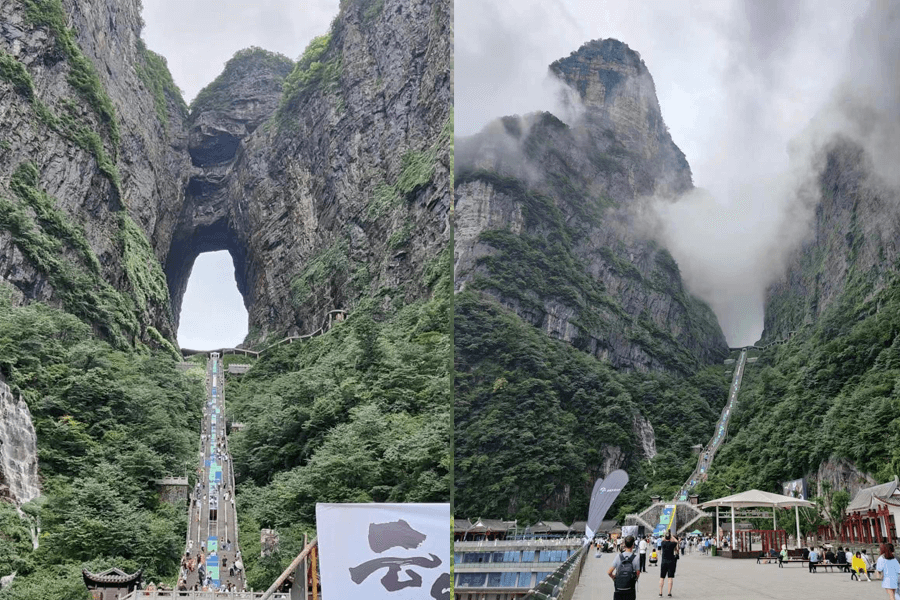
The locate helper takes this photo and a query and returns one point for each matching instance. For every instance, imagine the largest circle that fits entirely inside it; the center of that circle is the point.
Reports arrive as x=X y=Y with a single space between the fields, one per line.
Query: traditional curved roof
x=863 y=499
x=113 y=575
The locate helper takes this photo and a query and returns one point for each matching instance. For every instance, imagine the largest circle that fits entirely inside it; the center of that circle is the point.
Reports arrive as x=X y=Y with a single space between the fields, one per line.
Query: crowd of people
x=205 y=497
x=634 y=556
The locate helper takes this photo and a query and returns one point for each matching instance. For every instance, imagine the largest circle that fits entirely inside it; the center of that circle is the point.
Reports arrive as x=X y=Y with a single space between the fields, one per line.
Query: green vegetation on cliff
x=68 y=122
x=831 y=392
x=59 y=249
x=360 y=414
x=545 y=263
x=108 y=424
x=154 y=72
x=82 y=74
x=534 y=415
x=311 y=72
x=216 y=95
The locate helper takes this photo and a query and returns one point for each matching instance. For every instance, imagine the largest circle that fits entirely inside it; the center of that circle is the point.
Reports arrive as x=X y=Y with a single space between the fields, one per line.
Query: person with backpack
x=625 y=571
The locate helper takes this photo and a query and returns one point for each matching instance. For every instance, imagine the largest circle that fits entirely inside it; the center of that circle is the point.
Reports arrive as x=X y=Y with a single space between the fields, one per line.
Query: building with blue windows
x=506 y=569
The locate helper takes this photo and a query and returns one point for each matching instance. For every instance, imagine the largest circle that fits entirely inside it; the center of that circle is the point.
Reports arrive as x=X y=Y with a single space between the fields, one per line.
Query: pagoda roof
x=864 y=497
x=114 y=575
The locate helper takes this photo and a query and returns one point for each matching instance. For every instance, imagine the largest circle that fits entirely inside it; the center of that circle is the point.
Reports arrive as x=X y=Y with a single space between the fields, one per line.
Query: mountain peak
x=618 y=95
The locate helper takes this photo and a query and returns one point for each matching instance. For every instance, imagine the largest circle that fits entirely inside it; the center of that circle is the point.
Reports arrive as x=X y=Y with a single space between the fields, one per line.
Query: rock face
x=841 y=474
x=545 y=220
x=619 y=98
x=18 y=450
x=851 y=247
x=643 y=431
x=102 y=148
x=315 y=189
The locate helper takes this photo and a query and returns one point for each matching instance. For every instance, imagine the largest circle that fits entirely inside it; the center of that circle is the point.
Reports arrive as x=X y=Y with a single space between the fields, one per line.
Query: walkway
x=212 y=516
x=702 y=577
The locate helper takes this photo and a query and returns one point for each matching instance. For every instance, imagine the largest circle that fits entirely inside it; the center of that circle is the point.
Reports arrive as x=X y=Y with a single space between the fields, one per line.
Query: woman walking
x=890 y=571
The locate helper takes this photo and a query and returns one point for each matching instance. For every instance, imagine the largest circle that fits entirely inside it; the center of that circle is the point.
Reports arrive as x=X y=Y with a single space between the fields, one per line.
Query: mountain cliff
x=824 y=405
x=313 y=175
x=851 y=248
x=543 y=220
x=327 y=179
x=578 y=348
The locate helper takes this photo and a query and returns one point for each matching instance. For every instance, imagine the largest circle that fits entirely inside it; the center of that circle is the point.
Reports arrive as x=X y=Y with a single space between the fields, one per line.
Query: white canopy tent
x=757 y=498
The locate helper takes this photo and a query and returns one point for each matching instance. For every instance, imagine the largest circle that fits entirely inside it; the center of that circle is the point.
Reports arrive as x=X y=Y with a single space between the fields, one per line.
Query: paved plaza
x=702 y=577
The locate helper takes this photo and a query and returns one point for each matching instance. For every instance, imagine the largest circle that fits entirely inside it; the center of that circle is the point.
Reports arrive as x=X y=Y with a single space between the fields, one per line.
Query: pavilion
x=872 y=516
x=111 y=583
x=757 y=499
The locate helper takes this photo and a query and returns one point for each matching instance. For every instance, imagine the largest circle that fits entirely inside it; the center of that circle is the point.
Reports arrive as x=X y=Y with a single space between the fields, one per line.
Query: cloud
x=739 y=83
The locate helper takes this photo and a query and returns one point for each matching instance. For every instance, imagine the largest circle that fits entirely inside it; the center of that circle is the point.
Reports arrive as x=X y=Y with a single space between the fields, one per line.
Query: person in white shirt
x=642 y=550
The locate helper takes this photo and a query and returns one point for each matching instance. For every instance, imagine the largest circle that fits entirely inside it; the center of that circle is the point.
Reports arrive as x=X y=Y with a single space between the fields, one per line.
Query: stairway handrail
x=257 y=353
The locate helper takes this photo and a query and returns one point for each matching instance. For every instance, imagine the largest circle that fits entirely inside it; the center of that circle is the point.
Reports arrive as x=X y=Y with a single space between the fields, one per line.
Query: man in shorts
x=667 y=563
x=625 y=590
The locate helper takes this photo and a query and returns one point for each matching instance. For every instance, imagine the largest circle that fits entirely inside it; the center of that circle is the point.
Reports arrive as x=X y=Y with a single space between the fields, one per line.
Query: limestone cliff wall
x=86 y=119
x=545 y=220
x=327 y=180
x=851 y=246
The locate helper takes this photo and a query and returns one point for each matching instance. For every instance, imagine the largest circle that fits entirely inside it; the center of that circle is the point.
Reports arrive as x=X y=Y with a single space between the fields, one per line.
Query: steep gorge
x=327 y=179
x=825 y=405
x=312 y=175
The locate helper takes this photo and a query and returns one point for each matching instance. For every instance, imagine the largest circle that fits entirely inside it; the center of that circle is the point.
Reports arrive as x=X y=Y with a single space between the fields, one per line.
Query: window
x=525 y=579
x=508 y=580
x=511 y=556
x=493 y=579
x=527 y=555
x=470 y=580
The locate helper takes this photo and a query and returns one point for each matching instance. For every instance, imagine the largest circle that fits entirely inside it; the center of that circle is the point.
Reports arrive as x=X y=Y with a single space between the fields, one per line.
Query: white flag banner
x=384 y=551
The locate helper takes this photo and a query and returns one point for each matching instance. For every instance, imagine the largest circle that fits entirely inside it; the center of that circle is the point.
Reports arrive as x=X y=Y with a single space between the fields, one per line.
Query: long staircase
x=213 y=532
x=709 y=451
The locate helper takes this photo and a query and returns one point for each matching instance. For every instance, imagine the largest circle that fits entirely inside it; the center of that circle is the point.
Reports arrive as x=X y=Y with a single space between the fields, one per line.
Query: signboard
x=630 y=530
x=384 y=551
x=796 y=488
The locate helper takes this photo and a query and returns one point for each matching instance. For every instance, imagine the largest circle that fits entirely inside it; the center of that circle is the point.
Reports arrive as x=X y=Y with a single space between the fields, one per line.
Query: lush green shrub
x=108 y=424
x=154 y=72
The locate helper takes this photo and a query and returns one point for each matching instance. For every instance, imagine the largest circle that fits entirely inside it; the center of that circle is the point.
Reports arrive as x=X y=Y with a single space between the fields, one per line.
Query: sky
x=739 y=83
x=212 y=312
x=197 y=37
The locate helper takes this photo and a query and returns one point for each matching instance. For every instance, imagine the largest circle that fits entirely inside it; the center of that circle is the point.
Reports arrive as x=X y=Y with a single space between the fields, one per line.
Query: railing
x=308 y=551
x=475 y=545
x=330 y=318
x=561 y=583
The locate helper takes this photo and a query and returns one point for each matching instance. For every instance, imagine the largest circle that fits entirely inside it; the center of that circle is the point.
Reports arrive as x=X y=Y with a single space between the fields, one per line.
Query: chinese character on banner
x=384 y=551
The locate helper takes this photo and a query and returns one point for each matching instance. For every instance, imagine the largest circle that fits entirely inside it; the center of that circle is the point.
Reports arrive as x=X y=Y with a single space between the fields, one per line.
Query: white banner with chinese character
x=384 y=551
